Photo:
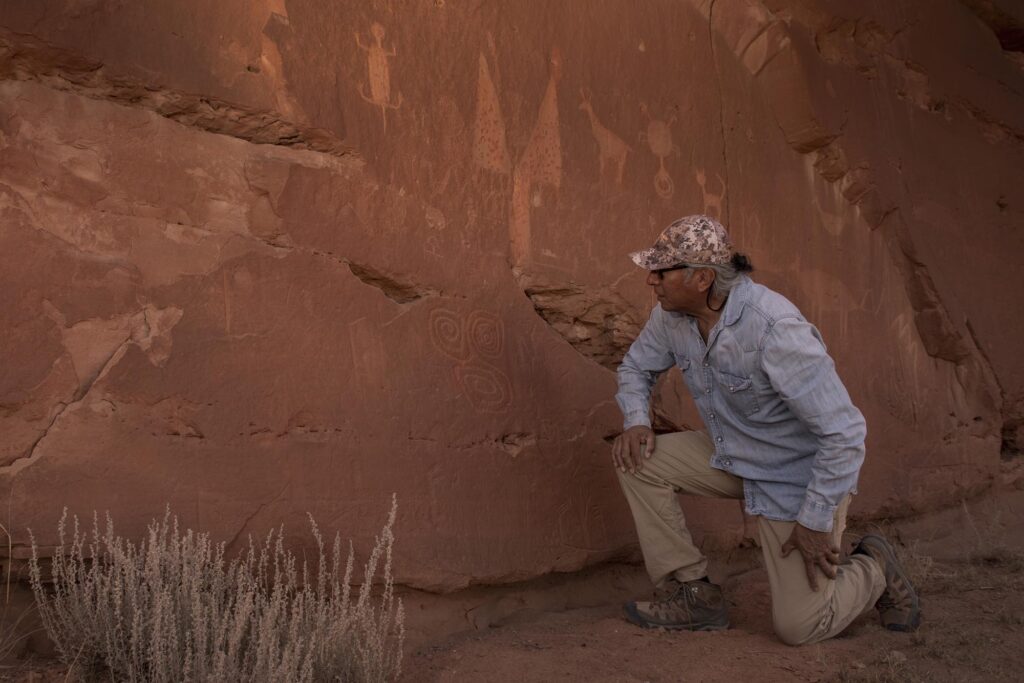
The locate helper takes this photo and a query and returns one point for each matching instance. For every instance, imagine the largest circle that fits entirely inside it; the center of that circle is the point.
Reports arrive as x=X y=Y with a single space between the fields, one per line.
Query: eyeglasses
x=660 y=272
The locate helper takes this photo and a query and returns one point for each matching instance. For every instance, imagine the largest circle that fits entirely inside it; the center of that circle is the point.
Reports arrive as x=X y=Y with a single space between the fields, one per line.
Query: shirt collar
x=733 y=305
x=737 y=299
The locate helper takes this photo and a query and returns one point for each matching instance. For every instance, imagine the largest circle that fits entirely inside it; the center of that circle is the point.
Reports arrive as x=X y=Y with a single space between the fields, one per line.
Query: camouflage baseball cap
x=692 y=239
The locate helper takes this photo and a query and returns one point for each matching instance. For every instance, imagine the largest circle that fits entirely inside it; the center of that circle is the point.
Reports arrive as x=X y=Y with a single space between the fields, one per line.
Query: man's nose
x=652 y=279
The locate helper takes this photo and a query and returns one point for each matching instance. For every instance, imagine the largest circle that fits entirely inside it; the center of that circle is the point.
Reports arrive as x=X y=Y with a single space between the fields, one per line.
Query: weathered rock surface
x=264 y=259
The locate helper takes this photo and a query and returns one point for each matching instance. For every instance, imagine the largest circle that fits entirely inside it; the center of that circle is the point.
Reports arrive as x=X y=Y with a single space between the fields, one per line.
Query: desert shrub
x=11 y=635
x=172 y=608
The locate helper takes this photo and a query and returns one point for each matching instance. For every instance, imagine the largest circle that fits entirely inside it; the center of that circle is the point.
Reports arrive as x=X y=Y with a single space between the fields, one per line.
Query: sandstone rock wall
x=268 y=258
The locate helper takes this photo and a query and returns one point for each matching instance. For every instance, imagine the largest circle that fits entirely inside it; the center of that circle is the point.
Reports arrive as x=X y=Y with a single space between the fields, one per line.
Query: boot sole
x=883 y=546
x=711 y=625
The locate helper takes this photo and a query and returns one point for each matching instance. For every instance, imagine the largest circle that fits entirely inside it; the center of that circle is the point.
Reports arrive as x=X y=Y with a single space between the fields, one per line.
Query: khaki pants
x=681 y=464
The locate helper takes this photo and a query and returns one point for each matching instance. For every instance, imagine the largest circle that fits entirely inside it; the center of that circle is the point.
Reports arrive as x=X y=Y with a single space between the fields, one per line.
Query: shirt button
x=718 y=439
x=705 y=363
x=712 y=416
x=707 y=391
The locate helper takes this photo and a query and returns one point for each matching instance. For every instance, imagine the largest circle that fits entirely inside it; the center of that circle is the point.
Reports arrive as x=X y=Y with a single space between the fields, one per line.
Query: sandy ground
x=968 y=563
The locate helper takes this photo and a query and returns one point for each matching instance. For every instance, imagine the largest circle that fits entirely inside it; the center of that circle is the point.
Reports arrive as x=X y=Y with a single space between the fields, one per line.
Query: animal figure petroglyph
x=658 y=137
x=379 y=73
x=612 y=149
x=712 y=201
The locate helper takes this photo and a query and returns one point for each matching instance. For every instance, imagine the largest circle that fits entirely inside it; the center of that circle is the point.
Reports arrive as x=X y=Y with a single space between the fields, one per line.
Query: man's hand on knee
x=818 y=551
x=632 y=447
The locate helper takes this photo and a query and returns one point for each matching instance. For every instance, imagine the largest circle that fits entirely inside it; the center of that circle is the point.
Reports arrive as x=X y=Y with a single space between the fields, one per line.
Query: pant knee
x=792 y=631
x=625 y=478
x=631 y=479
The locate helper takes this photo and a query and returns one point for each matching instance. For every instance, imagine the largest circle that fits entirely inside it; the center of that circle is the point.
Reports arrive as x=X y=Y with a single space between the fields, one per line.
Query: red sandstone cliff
x=264 y=258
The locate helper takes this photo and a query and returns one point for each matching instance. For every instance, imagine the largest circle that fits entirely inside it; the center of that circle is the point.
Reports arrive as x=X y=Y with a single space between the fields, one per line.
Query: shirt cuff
x=816 y=514
x=636 y=419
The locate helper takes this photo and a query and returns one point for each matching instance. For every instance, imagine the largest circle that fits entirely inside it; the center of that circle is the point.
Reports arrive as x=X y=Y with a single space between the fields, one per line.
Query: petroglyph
x=470 y=340
x=519 y=219
x=542 y=159
x=712 y=201
x=486 y=333
x=368 y=356
x=611 y=148
x=581 y=522
x=379 y=73
x=435 y=219
x=490 y=149
x=433 y=247
x=447 y=334
x=271 y=64
x=658 y=137
x=753 y=230
x=541 y=164
x=486 y=388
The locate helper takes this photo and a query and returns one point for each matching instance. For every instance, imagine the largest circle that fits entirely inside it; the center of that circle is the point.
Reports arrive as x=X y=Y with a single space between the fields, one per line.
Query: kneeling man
x=781 y=433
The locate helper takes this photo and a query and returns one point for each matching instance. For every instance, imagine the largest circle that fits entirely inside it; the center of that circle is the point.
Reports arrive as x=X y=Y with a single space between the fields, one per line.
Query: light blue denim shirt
x=767 y=390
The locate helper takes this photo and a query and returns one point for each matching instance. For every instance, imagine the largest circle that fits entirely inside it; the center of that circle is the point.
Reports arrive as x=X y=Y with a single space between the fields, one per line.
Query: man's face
x=678 y=289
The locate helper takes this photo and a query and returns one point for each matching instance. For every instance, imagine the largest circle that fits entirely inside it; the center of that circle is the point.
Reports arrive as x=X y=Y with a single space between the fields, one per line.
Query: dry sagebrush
x=173 y=609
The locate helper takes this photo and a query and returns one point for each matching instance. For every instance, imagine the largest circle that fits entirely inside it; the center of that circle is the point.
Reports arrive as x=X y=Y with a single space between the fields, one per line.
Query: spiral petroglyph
x=658 y=137
x=447 y=334
x=486 y=333
x=487 y=388
x=474 y=341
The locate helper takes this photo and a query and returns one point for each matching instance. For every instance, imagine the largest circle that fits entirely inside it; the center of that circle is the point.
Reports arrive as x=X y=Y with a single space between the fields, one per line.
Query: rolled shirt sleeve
x=648 y=356
x=801 y=371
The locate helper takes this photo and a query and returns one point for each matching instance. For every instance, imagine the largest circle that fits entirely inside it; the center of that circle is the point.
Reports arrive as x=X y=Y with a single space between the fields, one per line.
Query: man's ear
x=705 y=278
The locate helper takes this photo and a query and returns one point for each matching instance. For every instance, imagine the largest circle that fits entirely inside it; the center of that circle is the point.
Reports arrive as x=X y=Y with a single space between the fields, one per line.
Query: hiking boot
x=690 y=606
x=899 y=607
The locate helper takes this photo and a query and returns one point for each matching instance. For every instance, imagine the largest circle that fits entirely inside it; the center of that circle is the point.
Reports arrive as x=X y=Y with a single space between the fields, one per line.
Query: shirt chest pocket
x=686 y=369
x=738 y=392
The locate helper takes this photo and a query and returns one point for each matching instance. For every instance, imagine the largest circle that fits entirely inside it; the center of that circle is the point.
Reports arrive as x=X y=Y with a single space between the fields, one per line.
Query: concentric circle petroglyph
x=447 y=335
x=486 y=333
x=487 y=388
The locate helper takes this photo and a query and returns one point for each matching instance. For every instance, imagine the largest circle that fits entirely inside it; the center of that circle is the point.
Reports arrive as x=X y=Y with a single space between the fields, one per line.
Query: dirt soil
x=968 y=563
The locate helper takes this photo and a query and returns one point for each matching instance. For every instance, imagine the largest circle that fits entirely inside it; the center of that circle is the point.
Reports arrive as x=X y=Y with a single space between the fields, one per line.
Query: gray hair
x=727 y=275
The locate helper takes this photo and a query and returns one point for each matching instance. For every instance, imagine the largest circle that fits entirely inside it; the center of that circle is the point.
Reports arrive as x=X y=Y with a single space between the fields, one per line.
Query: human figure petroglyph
x=658 y=137
x=581 y=522
x=612 y=150
x=542 y=159
x=368 y=356
x=751 y=222
x=712 y=201
x=470 y=340
x=379 y=73
x=490 y=149
x=541 y=163
x=433 y=247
